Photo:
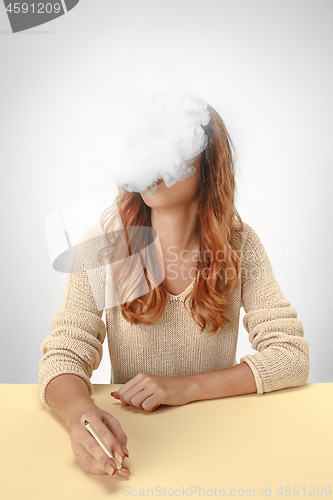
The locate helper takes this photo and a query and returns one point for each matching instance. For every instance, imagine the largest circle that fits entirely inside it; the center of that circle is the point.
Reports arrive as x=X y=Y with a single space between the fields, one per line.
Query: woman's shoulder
x=249 y=245
x=243 y=233
x=92 y=231
x=99 y=240
x=92 y=243
x=251 y=248
x=97 y=231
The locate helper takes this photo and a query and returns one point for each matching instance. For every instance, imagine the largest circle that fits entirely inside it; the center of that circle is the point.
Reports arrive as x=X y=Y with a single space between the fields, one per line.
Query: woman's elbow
x=301 y=370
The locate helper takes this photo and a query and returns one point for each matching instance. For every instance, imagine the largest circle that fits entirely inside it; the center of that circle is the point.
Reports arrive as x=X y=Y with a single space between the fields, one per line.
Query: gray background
x=266 y=67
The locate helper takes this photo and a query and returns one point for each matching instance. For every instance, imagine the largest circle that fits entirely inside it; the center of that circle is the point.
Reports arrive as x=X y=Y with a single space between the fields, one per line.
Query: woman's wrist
x=78 y=409
x=68 y=396
x=190 y=389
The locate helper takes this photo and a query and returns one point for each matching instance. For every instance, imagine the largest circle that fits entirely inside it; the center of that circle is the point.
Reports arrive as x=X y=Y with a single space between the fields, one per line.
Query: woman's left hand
x=150 y=391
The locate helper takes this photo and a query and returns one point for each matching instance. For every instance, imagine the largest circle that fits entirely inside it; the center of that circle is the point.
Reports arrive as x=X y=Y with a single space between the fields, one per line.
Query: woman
x=174 y=342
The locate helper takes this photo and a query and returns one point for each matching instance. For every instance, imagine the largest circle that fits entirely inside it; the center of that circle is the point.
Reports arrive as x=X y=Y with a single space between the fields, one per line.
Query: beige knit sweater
x=175 y=346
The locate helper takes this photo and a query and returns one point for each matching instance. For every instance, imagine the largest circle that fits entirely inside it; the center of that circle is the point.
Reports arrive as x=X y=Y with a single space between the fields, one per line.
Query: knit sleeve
x=78 y=332
x=282 y=359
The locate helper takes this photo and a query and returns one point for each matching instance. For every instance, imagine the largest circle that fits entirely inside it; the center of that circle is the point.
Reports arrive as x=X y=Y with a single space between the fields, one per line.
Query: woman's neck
x=176 y=228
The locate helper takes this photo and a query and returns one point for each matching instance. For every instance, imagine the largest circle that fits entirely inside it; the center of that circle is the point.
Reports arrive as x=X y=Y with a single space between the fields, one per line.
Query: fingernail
x=109 y=469
x=118 y=457
x=124 y=472
x=124 y=447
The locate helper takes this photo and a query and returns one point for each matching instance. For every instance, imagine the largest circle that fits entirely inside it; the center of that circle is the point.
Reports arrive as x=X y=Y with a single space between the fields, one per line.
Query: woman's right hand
x=91 y=457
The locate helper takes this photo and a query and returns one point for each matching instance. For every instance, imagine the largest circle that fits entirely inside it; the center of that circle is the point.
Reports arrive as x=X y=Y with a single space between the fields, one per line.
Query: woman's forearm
x=233 y=381
x=69 y=398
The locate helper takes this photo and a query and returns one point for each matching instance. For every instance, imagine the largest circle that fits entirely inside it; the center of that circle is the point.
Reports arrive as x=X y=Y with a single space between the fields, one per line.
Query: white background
x=66 y=86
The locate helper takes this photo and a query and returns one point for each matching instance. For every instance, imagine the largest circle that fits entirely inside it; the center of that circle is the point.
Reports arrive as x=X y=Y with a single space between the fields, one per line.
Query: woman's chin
x=157 y=199
x=154 y=188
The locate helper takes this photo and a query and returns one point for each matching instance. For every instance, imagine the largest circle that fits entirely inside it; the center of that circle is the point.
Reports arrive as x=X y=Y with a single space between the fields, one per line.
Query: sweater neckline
x=180 y=295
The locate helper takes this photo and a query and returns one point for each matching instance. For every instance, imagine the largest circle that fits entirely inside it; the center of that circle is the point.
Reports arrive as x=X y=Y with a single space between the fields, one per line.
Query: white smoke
x=164 y=138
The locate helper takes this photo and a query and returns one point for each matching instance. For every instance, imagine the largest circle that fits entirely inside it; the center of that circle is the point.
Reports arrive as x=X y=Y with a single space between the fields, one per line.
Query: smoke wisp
x=163 y=139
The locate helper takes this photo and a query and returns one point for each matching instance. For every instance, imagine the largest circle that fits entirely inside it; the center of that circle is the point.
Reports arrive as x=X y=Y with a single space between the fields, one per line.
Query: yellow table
x=243 y=447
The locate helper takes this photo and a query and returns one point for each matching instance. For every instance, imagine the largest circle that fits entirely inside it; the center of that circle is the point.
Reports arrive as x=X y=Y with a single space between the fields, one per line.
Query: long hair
x=218 y=226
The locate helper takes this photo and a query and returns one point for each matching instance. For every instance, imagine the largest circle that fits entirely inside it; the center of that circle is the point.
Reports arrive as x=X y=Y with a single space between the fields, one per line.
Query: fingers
x=134 y=396
x=127 y=387
x=140 y=392
x=87 y=461
x=121 y=439
x=90 y=454
x=146 y=399
x=131 y=388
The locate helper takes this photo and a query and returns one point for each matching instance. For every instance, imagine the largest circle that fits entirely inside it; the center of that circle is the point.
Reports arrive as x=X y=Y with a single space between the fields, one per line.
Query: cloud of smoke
x=162 y=139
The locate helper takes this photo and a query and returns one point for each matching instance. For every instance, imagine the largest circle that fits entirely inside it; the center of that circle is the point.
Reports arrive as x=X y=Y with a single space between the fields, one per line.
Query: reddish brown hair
x=218 y=225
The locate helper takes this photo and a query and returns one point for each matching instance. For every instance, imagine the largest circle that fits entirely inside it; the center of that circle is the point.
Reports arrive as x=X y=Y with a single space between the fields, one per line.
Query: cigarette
x=101 y=443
